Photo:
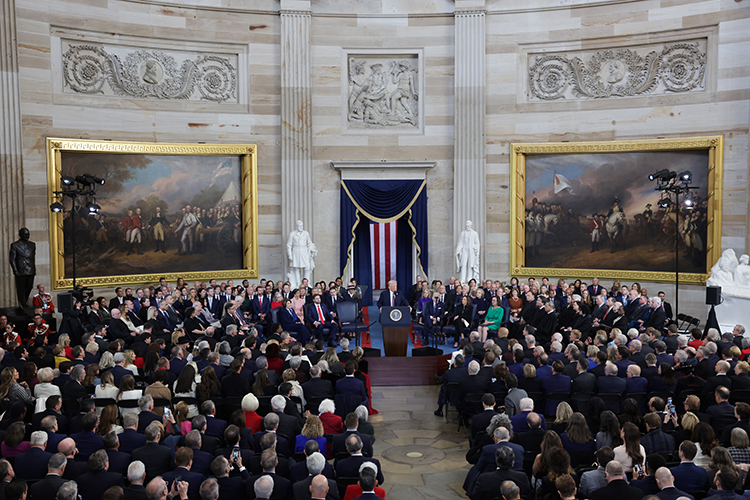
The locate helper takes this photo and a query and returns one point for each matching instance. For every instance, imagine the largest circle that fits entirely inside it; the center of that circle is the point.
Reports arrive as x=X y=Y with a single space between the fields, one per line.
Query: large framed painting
x=165 y=210
x=588 y=209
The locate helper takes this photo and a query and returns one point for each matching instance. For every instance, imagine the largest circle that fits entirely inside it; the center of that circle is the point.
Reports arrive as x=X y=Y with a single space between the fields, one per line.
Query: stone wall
x=423 y=32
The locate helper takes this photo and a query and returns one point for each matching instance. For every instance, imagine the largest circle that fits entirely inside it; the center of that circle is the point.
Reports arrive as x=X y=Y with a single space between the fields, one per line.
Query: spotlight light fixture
x=92 y=208
x=686 y=176
x=67 y=180
x=56 y=207
x=93 y=179
x=660 y=174
x=689 y=203
x=664 y=203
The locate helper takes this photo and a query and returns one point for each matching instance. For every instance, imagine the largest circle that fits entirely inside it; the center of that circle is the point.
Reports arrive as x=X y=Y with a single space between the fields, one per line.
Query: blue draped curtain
x=383 y=201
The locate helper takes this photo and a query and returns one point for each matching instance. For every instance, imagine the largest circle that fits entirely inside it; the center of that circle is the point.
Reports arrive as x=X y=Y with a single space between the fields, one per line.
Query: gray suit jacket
x=513 y=401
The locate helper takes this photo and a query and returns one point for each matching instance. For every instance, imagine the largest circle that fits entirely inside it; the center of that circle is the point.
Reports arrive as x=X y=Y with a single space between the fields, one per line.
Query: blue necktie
x=294 y=315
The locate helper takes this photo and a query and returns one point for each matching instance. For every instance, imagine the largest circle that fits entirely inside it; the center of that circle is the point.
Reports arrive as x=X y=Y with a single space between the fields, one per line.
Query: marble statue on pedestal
x=742 y=273
x=467 y=254
x=300 y=250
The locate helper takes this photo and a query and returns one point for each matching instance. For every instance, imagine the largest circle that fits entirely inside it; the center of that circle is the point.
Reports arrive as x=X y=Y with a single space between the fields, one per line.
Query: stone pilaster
x=296 y=121
x=11 y=154
x=469 y=176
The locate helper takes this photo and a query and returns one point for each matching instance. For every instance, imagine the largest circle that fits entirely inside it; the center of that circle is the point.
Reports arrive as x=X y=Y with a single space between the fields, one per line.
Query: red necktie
x=320 y=315
x=605 y=315
x=260 y=300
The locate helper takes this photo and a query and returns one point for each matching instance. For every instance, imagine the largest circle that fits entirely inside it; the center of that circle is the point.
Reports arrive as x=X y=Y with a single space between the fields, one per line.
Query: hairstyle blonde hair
x=689 y=421
x=313 y=427
x=529 y=371
x=564 y=413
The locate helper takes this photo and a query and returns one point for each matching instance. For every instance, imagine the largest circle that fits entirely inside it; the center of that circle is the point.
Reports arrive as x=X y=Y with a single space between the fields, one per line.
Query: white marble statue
x=467 y=254
x=742 y=273
x=300 y=249
x=722 y=274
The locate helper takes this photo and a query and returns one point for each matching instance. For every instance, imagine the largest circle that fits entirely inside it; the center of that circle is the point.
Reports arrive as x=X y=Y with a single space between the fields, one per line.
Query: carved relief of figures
x=380 y=98
x=608 y=73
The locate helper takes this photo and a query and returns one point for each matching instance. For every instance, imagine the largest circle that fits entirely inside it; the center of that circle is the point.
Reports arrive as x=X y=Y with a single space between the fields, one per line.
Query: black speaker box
x=426 y=351
x=371 y=352
x=65 y=302
x=713 y=295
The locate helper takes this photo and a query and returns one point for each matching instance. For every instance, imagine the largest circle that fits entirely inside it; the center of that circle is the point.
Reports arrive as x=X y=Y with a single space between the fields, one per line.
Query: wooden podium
x=395 y=322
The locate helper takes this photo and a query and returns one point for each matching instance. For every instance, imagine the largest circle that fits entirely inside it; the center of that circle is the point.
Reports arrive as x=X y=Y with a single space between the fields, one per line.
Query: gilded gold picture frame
x=540 y=187
x=151 y=186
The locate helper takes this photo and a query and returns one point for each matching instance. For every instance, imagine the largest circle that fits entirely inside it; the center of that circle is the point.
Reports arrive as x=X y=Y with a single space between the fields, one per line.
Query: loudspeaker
x=713 y=295
x=65 y=302
x=426 y=351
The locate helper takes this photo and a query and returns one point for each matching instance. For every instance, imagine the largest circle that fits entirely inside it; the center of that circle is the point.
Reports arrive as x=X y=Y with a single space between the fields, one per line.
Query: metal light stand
x=82 y=186
x=670 y=183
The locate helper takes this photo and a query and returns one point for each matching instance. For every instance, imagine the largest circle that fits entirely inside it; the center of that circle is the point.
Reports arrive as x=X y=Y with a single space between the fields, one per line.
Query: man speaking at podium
x=391 y=297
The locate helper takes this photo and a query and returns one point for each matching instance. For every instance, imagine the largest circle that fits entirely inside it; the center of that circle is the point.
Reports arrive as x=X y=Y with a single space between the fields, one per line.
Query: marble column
x=469 y=176
x=296 y=120
x=11 y=154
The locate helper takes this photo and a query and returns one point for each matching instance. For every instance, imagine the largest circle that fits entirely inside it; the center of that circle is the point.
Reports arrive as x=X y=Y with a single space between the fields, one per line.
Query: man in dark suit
x=321 y=319
x=595 y=288
x=657 y=317
x=634 y=382
x=282 y=487
x=32 y=464
x=291 y=323
x=742 y=411
x=556 y=384
x=156 y=458
x=351 y=424
x=349 y=467
x=487 y=484
x=214 y=426
x=480 y=421
x=611 y=383
x=433 y=313
x=118 y=460
x=130 y=439
x=46 y=489
x=317 y=387
x=720 y=379
x=270 y=426
x=87 y=440
x=321 y=487
x=234 y=384
x=665 y=482
x=261 y=306
x=721 y=414
x=585 y=382
x=531 y=440
x=183 y=459
x=73 y=392
x=520 y=420
x=92 y=486
x=201 y=461
x=687 y=475
x=147 y=415
x=351 y=385
x=617 y=487
x=74 y=469
x=289 y=426
x=547 y=324
x=487 y=460
x=392 y=297
x=136 y=475
x=299 y=470
x=230 y=486
x=454 y=374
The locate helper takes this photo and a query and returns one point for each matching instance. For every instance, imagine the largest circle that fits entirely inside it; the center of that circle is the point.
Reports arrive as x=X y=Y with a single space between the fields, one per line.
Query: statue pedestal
x=733 y=311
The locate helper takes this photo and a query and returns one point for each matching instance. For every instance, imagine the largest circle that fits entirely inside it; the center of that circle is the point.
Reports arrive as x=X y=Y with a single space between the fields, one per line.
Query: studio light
x=686 y=176
x=93 y=179
x=56 y=207
x=93 y=208
x=664 y=203
x=658 y=175
x=689 y=203
x=67 y=180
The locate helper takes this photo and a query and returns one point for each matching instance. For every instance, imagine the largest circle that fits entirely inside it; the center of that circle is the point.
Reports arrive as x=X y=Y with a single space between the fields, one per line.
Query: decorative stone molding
x=383 y=90
x=98 y=69
x=651 y=69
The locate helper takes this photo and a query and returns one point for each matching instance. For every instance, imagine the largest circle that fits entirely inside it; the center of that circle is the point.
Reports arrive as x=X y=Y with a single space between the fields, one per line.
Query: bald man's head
x=664 y=478
x=319 y=486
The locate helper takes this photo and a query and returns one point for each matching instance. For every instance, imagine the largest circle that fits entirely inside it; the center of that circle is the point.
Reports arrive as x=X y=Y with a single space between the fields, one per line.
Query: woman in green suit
x=492 y=320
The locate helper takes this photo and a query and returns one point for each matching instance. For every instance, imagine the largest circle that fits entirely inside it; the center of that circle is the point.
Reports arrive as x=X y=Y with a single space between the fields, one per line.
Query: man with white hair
x=634 y=382
x=656 y=317
x=47 y=487
x=473 y=384
x=617 y=486
x=289 y=426
x=665 y=482
x=136 y=477
x=118 y=371
x=637 y=355
x=315 y=464
x=520 y=422
x=611 y=383
x=32 y=464
x=487 y=462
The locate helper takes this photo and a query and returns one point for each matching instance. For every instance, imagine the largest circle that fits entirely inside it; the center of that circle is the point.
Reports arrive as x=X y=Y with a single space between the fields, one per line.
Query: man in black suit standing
x=488 y=484
x=351 y=423
x=47 y=487
x=315 y=463
x=480 y=421
x=234 y=486
x=665 y=482
x=611 y=383
x=531 y=440
x=392 y=297
x=721 y=414
x=136 y=474
x=317 y=387
x=183 y=459
x=720 y=379
x=282 y=487
x=349 y=467
x=157 y=489
x=585 y=382
x=289 y=426
x=617 y=487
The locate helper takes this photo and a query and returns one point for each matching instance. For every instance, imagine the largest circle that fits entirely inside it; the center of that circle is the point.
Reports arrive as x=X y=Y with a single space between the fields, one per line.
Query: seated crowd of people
x=584 y=409
x=180 y=392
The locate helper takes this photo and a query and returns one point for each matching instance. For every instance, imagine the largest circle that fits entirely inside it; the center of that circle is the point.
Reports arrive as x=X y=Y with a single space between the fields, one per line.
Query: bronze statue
x=22 y=261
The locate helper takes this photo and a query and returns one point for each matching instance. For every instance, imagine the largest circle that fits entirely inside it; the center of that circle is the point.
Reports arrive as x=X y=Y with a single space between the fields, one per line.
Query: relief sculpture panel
x=618 y=72
x=383 y=91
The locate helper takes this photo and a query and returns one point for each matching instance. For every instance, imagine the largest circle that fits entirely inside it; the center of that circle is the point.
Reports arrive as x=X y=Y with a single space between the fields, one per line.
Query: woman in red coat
x=252 y=419
x=332 y=423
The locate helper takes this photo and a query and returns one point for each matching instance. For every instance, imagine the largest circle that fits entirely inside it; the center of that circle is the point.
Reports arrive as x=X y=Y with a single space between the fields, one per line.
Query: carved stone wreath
x=680 y=67
x=148 y=74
